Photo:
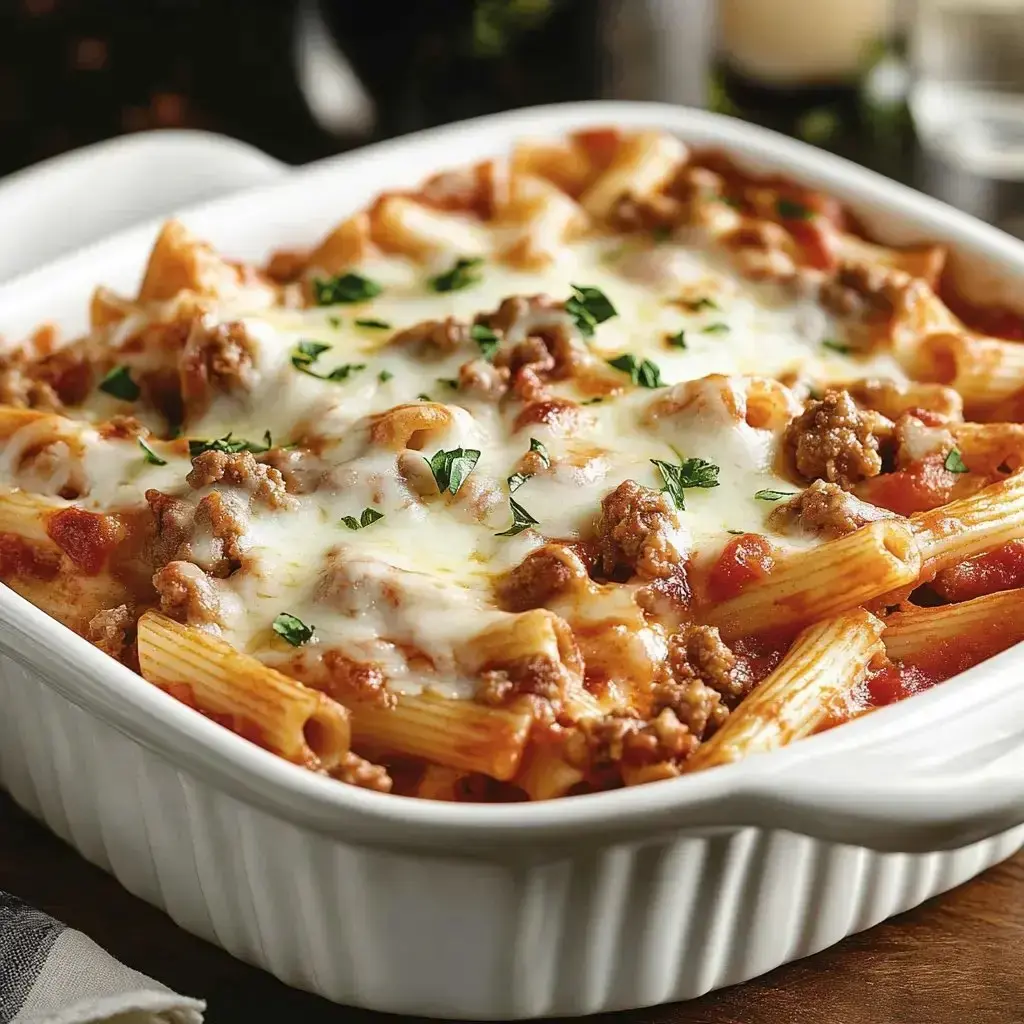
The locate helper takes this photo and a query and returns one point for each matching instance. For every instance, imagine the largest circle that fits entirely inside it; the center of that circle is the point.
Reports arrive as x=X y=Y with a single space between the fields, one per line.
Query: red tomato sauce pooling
x=920 y=487
x=87 y=538
x=744 y=559
x=1000 y=569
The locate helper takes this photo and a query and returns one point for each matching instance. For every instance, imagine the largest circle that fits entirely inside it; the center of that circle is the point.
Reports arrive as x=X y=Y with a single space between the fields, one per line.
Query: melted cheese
x=422 y=577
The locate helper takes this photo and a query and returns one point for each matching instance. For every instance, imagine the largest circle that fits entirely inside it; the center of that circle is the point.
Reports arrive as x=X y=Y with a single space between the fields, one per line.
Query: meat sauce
x=924 y=485
x=87 y=538
x=1001 y=569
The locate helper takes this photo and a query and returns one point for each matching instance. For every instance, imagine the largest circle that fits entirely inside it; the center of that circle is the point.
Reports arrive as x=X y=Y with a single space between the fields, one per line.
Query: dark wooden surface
x=958 y=958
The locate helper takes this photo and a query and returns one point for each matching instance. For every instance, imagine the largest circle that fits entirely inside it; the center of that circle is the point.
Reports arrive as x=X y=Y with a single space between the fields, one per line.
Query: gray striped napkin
x=51 y=974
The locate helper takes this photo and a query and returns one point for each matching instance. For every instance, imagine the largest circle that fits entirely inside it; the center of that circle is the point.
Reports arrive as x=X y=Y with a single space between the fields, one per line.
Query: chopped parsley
x=151 y=456
x=118 y=382
x=229 y=444
x=661 y=233
x=769 y=495
x=677 y=340
x=335 y=321
x=644 y=373
x=835 y=346
x=451 y=468
x=372 y=324
x=589 y=307
x=368 y=517
x=463 y=273
x=488 y=341
x=292 y=629
x=696 y=305
x=521 y=520
x=955 y=462
x=593 y=401
x=344 y=288
x=688 y=473
x=736 y=533
x=718 y=328
x=787 y=209
x=384 y=376
x=423 y=397
x=516 y=480
x=451 y=382
x=308 y=352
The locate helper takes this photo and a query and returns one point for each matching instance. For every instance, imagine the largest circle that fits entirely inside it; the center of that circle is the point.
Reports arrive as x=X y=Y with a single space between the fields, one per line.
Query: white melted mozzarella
x=422 y=577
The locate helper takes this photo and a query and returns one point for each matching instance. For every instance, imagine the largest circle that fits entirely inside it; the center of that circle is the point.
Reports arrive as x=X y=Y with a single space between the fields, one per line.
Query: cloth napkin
x=51 y=974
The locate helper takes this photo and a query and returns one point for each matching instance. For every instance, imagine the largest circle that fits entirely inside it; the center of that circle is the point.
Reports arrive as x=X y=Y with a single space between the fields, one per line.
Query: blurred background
x=930 y=92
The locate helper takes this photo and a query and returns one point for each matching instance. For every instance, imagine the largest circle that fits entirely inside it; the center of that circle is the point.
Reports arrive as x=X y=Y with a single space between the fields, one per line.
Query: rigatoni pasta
x=588 y=468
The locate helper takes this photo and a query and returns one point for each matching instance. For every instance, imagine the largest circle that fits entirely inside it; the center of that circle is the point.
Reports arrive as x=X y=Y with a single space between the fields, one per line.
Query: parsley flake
x=593 y=401
x=308 y=352
x=521 y=520
x=696 y=305
x=423 y=397
x=335 y=321
x=955 y=462
x=451 y=468
x=687 y=473
x=384 y=376
x=372 y=324
x=677 y=340
x=118 y=382
x=229 y=444
x=151 y=456
x=770 y=495
x=451 y=382
x=736 y=533
x=344 y=288
x=835 y=346
x=463 y=273
x=292 y=629
x=516 y=480
x=787 y=209
x=661 y=233
x=589 y=307
x=718 y=328
x=644 y=373
x=368 y=517
x=488 y=341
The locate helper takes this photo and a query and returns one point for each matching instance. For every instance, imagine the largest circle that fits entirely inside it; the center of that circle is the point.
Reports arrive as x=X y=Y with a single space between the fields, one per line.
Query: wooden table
x=958 y=958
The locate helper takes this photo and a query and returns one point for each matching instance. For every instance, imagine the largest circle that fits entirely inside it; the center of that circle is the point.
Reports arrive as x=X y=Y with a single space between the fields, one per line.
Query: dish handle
x=886 y=804
x=79 y=197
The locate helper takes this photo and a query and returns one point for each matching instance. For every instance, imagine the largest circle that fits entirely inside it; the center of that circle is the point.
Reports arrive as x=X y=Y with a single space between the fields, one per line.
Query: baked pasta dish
x=593 y=466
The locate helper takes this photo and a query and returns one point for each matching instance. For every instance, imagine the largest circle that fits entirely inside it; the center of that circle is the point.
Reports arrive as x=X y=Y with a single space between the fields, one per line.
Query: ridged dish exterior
x=623 y=925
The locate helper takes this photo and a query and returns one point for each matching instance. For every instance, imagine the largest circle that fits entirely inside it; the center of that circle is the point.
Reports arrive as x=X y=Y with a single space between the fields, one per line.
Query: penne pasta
x=803 y=588
x=455 y=733
x=545 y=773
x=984 y=371
x=299 y=724
x=995 y=621
x=400 y=224
x=825 y=663
x=969 y=526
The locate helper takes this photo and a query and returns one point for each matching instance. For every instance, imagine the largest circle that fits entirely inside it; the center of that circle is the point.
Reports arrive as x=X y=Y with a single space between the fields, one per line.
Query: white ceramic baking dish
x=602 y=902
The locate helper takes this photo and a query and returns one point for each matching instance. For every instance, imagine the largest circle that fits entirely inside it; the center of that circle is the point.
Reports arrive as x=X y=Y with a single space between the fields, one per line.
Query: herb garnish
x=718 y=328
x=451 y=382
x=151 y=456
x=308 y=352
x=516 y=480
x=292 y=629
x=661 y=233
x=589 y=307
x=696 y=305
x=368 y=517
x=463 y=273
x=835 y=346
x=593 y=401
x=450 y=468
x=770 y=495
x=488 y=341
x=521 y=520
x=955 y=462
x=118 y=382
x=370 y=322
x=384 y=376
x=645 y=373
x=787 y=209
x=677 y=340
x=344 y=288
x=229 y=445
x=688 y=473
x=335 y=321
